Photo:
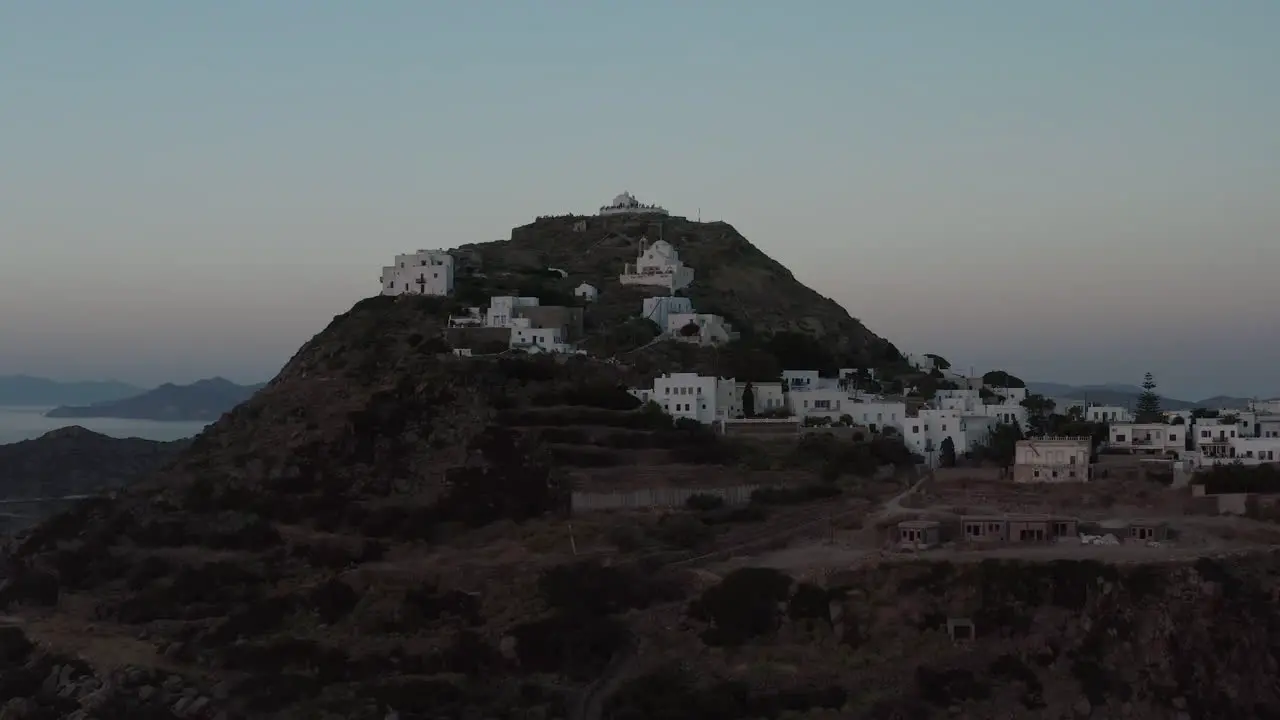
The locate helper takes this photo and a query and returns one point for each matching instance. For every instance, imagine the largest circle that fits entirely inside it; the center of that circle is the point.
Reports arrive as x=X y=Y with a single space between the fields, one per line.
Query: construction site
x=1130 y=511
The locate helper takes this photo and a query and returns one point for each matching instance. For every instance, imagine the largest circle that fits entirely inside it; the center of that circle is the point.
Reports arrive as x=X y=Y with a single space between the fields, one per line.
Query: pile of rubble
x=34 y=684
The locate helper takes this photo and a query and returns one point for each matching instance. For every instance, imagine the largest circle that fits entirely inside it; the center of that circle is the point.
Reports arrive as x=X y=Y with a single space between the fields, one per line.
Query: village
x=1058 y=495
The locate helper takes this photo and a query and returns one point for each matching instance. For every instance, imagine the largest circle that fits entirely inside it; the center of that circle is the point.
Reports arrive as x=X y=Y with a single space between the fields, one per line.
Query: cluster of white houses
x=966 y=416
x=658 y=266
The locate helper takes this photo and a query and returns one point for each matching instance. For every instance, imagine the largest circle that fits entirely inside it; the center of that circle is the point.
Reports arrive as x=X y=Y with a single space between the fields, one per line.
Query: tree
x=1229 y=419
x=690 y=330
x=939 y=362
x=1002 y=379
x=947 y=452
x=1148 y=410
x=749 y=401
x=1039 y=410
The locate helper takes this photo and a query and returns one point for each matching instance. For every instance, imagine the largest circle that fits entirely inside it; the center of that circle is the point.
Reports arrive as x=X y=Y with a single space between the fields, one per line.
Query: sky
x=1076 y=192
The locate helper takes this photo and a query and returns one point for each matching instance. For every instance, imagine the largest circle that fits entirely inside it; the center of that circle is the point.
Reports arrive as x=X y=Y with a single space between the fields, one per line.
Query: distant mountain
x=1121 y=395
x=37 y=391
x=73 y=461
x=201 y=400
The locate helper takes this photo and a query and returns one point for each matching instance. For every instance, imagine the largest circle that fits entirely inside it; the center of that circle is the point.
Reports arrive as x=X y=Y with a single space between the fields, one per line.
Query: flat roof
x=918 y=524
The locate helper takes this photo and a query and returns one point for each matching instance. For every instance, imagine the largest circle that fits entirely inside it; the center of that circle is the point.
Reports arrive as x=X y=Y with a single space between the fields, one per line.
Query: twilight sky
x=1077 y=192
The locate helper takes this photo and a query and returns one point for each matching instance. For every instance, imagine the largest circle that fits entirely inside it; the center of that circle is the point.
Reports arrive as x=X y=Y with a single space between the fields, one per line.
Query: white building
x=658 y=265
x=961 y=401
x=1107 y=414
x=1266 y=407
x=800 y=380
x=693 y=396
x=711 y=329
x=925 y=432
x=767 y=397
x=531 y=339
x=1268 y=427
x=502 y=309
x=1212 y=437
x=425 y=272
x=658 y=309
x=1008 y=414
x=626 y=204
x=587 y=291
x=1152 y=438
x=1052 y=460
x=1243 y=450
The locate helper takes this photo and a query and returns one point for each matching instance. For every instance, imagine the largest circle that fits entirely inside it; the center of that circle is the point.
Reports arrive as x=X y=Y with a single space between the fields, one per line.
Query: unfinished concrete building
x=919 y=534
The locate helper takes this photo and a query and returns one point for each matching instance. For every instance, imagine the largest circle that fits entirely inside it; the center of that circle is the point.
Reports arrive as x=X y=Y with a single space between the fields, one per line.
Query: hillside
x=31 y=391
x=1127 y=396
x=384 y=528
x=201 y=400
x=733 y=278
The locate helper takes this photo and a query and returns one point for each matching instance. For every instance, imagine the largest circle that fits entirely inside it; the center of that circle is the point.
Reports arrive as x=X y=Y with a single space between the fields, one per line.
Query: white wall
x=658 y=265
x=502 y=309
x=659 y=309
x=587 y=292
x=767 y=396
x=1107 y=413
x=688 y=395
x=433 y=267
x=1149 y=436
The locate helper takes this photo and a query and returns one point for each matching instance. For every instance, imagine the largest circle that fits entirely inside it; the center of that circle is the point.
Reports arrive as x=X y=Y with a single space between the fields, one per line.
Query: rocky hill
x=201 y=400
x=383 y=531
x=781 y=320
x=73 y=460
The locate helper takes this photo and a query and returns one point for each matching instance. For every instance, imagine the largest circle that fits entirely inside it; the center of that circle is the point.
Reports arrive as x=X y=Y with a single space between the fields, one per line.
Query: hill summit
x=760 y=297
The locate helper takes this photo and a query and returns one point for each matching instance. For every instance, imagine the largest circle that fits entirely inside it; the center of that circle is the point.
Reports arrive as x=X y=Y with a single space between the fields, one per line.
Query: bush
x=704 y=502
x=743 y=606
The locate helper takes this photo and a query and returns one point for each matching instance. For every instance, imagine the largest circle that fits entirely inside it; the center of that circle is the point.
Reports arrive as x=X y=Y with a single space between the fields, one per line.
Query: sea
x=25 y=423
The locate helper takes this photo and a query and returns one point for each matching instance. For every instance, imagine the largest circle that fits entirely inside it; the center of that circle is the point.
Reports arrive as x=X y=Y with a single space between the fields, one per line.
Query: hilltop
x=202 y=400
x=776 y=314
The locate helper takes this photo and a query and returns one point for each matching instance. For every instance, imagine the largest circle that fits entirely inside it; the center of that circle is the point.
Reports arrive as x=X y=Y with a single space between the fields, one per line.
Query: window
x=944 y=427
x=915 y=429
x=1173 y=437
x=1120 y=437
x=1035 y=473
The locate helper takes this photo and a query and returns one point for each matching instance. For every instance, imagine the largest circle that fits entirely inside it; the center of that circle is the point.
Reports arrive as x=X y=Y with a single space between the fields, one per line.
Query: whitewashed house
x=1213 y=438
x=587 y=291
x=1107 y=414
x=878 y=414
x=425 y=272
x=1058 y=459
x=925 y=432
x=534 y=339
x=1150 y=438
x=1005 y=413
x=767 y=397
x=703 y=398
x=961 y=401
x=800 y=380
x=1266 y=407
x=626 y=204
x=710 y=329
x=1268 y=426
x=659 y=309
x=502 y=309
x=658 y=265
x=1243 y=450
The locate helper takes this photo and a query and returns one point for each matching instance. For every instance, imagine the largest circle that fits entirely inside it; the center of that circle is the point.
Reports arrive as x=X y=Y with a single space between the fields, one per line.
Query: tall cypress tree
x=1148 y=409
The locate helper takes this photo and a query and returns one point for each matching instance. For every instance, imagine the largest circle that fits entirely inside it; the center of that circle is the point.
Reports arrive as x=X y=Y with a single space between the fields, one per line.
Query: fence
x=668 y=497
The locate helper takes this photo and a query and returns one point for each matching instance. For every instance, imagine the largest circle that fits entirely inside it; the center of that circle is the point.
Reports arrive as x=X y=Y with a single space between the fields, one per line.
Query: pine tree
x=749 y=401
x=1148 y=409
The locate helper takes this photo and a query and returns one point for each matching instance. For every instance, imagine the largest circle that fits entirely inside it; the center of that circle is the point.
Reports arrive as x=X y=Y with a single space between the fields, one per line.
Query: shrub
x=704 y=502
x=743 y=606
